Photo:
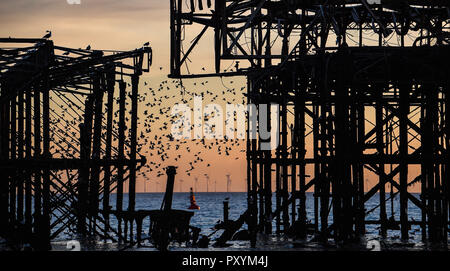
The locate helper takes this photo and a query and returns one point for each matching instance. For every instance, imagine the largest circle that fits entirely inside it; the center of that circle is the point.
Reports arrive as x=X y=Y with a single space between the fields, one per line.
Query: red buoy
x=194 y=205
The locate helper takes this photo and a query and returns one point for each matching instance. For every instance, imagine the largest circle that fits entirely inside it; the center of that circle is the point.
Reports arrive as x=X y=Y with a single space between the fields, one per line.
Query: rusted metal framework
x=363 y=93
x=65 y=147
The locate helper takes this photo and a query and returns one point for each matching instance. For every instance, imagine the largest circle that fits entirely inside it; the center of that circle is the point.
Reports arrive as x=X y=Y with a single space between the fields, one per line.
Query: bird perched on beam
x=48 y=35
x=147 y=44
x=88 y=47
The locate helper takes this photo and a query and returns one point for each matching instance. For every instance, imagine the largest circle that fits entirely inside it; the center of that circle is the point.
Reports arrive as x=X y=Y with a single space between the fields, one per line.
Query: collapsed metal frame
x=363 y=103
x=63 y=148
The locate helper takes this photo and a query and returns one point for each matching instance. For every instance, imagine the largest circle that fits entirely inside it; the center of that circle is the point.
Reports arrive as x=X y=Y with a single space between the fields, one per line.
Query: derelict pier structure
x=65 y=145
x=363 y=90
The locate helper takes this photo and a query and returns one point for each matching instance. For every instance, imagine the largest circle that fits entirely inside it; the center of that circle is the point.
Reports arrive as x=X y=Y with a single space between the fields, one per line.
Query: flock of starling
x=155 y=141
x=162 y=149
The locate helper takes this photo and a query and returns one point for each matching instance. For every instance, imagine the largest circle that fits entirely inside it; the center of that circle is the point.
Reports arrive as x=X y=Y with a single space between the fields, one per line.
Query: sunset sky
x=125 y=25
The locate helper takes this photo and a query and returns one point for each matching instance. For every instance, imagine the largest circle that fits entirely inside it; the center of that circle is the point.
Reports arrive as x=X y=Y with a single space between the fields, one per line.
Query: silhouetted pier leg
x=431 y=173
x=326 y=143
x=300 y=134
x=225 y=211
x=432 y=101
x=278 y=191
x=125 y=230
x=423 y=169
x=380 y=150
x=403 y=150
x=139 y=231
x=261 y=192
x=133 y=145
x=300 y=137
x=46 y=206
x=317 y=177
x=28 y=184
x=4 y=149
x=446 y=166
x=294 y=174
x=440 y=174
x=121 y=144
x=360 y=226
x=284 y=168
x=20 y=155
x=253 y=222
x=13 y=155
x=252 y=172
x=83 y=181
x=340 y=186
x=167 y=202
x=267 y=192
x=427 y=165
x=109 y=129
x=166 y=207
x=37 y=154
x=324 y=177
x=348 y=194
x=98 y=90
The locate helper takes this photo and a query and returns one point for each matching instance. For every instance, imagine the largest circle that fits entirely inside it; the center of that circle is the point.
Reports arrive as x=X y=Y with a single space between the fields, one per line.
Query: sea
x=211 y=212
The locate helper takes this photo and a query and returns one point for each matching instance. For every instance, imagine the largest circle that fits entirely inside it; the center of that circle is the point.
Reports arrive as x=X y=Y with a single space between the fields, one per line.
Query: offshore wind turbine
x=195 y=184
x=228 y=182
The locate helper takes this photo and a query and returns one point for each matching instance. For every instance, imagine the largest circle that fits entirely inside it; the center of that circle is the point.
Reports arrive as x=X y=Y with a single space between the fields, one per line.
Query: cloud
x=41 y=8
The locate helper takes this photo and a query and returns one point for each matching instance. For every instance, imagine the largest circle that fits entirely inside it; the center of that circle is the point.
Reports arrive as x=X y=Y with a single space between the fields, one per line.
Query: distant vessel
x=194 y=205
